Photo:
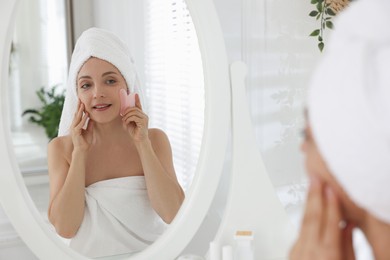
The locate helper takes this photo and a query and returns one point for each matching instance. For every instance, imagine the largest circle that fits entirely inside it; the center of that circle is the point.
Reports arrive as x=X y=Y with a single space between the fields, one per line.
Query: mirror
x=39 y=58
x=199 y=195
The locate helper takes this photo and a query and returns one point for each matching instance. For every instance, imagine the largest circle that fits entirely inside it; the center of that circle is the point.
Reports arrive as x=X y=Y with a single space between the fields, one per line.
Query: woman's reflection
x=112 y=183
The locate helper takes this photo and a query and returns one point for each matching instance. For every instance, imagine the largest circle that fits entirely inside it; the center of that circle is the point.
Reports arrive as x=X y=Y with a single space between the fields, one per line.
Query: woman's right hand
x=81 y=138
x=321 y=236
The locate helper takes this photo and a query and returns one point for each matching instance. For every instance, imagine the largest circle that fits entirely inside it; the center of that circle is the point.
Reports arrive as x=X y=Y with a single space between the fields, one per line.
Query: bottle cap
x=244 y=235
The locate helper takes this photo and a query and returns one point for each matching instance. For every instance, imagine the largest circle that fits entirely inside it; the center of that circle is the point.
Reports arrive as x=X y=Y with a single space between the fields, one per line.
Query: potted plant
x=48 y=116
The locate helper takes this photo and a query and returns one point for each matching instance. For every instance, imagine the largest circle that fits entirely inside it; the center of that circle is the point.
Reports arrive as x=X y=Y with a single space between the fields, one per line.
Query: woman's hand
x=135 y=121
x=321 y=236
x=81 y=138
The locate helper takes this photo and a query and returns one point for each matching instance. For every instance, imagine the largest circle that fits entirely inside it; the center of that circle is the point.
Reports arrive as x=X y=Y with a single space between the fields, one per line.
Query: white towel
x=102 y=44
x=349 y=104
x=118 y=218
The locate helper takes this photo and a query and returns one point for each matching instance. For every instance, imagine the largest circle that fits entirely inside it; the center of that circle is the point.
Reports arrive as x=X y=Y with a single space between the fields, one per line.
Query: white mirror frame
x=14 y=196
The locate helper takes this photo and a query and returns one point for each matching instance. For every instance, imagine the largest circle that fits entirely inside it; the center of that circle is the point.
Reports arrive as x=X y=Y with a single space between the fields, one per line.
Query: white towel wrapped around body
x=118 y=218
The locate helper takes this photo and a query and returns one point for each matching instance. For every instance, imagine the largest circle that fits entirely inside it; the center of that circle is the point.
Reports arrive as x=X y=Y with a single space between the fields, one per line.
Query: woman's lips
x=101 y=107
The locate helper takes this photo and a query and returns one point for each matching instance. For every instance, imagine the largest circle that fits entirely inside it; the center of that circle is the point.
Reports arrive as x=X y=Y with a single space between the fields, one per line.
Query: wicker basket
x=337 y=5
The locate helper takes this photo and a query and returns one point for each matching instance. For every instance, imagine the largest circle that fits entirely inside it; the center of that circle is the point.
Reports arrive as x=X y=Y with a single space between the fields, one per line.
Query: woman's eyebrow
x=108 y=72
x=84 y=77
x=104 y=74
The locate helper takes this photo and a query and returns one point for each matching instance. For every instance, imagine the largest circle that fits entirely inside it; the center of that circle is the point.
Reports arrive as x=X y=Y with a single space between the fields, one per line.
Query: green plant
x=325 y=10
x=324 y=13
x=48 y=116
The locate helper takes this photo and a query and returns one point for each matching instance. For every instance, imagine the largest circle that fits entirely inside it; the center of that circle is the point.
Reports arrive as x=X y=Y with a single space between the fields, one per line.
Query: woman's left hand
x=136 y=122
x=321 y=236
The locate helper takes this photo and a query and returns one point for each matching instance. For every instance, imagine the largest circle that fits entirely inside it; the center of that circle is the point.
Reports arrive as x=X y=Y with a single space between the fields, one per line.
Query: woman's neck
x=109 y=131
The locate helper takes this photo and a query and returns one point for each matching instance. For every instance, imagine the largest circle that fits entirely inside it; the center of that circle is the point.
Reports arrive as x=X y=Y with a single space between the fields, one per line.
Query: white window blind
x=174 y=82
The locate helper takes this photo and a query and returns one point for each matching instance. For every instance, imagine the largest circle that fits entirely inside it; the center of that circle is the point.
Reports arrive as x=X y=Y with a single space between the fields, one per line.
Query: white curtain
x=174 y=81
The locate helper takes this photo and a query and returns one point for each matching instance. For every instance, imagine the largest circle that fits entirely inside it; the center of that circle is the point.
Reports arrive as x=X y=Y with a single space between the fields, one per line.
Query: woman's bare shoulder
x=156 y=134
x=61 y=145
x=159 y=140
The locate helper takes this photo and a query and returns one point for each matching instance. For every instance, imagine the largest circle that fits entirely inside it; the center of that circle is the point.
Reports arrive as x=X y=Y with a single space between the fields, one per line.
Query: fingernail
x=342 y=224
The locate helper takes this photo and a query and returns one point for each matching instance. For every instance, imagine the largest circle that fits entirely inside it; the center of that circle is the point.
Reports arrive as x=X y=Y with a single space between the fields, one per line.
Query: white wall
x=271 y=36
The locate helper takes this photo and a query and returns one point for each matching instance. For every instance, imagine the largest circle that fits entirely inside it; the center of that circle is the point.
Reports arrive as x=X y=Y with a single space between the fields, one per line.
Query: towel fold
x=118 y=218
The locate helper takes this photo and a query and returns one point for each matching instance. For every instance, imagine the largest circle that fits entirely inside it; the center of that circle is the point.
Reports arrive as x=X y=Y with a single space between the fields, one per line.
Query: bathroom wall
x=271 y=36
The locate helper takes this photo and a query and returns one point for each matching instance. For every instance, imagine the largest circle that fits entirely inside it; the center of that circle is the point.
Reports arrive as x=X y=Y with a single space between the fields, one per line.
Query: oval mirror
x=168 y=63
x=43 y=242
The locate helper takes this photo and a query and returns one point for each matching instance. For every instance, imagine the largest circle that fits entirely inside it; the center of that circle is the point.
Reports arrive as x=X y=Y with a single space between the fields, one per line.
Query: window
x=174 y=82
x=39 y=57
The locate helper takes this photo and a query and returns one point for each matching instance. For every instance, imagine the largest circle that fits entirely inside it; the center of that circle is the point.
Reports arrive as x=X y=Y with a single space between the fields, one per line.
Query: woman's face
x=98 y=85
x=316 y=167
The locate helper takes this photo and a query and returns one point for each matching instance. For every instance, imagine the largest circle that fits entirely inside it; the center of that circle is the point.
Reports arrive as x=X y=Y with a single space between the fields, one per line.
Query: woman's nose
x=99 y=92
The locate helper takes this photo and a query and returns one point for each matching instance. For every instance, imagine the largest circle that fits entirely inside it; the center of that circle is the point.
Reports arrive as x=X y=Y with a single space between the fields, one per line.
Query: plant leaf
x=313 y=13
x=331 y=12
x=320 y=7
x=315 y=32
x=30 y=111
x=329 y=24
x=321 y=46
x=314 y=2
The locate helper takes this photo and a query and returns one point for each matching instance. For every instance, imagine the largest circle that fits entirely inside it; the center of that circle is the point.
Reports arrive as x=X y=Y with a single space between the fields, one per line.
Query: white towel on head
x=349 y=104
x=118 y=218
x=102 y=44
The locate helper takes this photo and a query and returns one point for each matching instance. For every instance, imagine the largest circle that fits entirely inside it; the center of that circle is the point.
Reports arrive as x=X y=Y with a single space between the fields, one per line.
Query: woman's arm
x=67 y=189
x=67 y=180
x=164 y=190
x=153 y=147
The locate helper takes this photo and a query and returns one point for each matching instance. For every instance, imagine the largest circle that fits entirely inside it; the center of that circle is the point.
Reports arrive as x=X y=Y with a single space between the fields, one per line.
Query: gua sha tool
x=126 y=100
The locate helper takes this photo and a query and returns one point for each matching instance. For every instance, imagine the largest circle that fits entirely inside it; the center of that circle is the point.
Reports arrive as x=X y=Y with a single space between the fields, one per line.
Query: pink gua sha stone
x=126 y=100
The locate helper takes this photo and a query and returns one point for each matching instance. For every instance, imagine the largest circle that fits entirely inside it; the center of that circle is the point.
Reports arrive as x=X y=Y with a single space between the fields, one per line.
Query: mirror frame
x=14 y=196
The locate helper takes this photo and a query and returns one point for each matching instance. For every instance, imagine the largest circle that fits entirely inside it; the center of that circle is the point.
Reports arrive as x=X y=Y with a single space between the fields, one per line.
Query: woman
x=113 y=181
x=347 y=139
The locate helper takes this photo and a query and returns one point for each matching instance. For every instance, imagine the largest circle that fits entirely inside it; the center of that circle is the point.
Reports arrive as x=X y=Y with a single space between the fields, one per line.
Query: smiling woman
x=113 y=182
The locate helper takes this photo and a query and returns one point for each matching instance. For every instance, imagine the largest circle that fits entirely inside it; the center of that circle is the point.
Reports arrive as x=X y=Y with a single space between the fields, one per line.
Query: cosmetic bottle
x=227 y=252
x=244 y=247
x=215 y=251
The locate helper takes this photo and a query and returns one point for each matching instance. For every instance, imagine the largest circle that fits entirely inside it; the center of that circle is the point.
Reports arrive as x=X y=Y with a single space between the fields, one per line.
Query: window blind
x=174 y=84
